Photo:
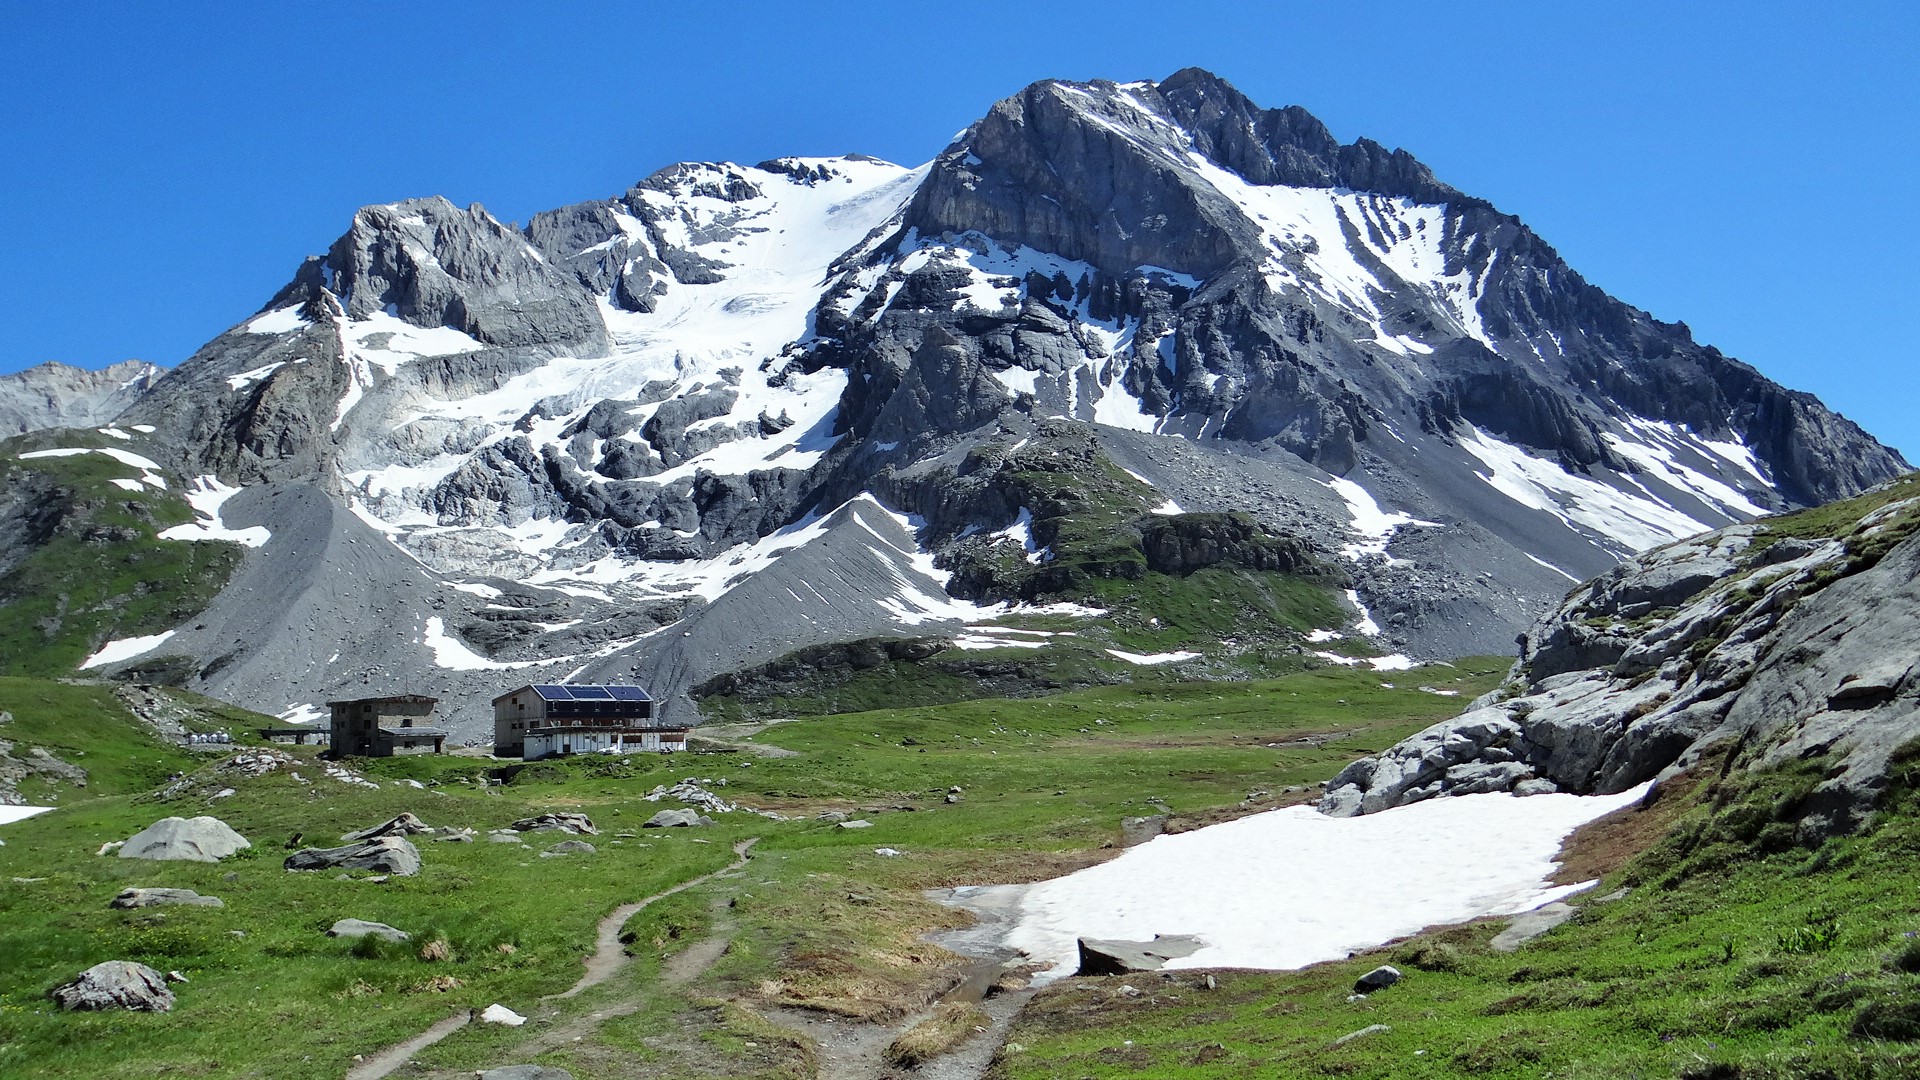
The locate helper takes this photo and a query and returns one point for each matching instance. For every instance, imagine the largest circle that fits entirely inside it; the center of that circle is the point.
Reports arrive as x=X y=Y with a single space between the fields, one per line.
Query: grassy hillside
x=82 y=563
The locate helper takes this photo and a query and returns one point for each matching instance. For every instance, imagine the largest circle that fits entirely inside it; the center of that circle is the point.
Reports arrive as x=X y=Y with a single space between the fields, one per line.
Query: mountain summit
x=1116 y=332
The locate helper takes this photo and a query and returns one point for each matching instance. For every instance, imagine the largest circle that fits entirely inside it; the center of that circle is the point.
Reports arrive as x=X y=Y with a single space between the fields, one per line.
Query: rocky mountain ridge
x=736 y=412
x=1786 y=638
x=55 y=395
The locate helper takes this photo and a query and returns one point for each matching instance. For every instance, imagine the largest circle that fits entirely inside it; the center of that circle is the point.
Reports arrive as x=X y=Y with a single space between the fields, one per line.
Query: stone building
x=554 y=720
x=385 y=726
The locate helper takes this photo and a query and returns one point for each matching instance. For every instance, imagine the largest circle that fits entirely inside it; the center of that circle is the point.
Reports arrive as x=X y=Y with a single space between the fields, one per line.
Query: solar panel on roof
x=628 y=693
x=594 y=693
x=553 y=693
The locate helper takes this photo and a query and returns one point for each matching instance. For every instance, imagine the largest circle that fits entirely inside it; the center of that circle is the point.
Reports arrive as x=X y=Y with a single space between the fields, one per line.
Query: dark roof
x=409 y=699
x=413 y=733
x=583 y=692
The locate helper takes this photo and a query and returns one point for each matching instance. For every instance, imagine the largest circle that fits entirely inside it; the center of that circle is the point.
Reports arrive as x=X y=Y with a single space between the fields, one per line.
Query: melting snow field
x=124 y=649
x=10 y=814
x=1293 y=887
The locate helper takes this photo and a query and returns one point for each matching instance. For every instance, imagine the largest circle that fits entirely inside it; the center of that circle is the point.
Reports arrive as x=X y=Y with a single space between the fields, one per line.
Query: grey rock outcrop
x=115 y=984
x=1105 y=957
x=524 y=1072
x=403 y=825
x=385 y=854
x=557 y=822
x=200 y=839
x=1378 y=979
x=359 y=928
x=569 y=847
x=1758 y=637
x=677 y=819
x=139 y=898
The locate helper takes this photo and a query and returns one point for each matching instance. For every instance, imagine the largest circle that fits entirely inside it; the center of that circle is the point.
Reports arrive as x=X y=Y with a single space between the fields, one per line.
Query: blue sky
x=1751 y=169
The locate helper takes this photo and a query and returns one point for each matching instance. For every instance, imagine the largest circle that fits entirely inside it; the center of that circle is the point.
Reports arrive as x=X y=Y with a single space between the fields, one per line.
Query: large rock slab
x=676 y=819
x=404 y=825
x=359 y=928
x=139 y=898
x=557 y=822
x=386 y=854
x=200 y=839
x=1101 y=957
x=524 y=1072
x=116 y=984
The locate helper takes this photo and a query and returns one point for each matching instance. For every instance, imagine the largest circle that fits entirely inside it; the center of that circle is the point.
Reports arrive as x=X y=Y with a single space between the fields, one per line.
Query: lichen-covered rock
x=359 y=928
x=200 y=839
x=139 y=898
x=116 y=984
x=384 y=854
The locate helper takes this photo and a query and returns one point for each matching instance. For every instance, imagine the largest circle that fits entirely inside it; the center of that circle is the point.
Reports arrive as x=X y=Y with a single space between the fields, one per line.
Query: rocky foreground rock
x=385 y=854
x=200 y=839
x=116 y=984
x=1787 y=638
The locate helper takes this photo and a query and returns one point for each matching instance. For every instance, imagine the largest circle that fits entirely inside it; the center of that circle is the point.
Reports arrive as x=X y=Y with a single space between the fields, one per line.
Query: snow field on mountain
x=120 y=649
x=206 y=494
x=149 y=469
x=1588 y=506
x=1292 y=887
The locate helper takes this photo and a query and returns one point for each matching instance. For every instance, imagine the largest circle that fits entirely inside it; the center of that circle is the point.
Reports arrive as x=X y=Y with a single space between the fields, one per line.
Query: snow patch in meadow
x=1285 y=889
x=1153 y=659
x=11 y=814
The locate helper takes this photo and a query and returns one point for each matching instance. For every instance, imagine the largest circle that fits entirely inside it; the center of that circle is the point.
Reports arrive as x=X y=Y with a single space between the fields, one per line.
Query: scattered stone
x=1378 y=979
x=676 y=819
x=201 y=839
x=568 y=847
x=177 y=977
x=557 y=822
x=886 y=851
x=1098 y=957
x=856 y=823
x=1535 y=786
x=952 y=798
x=455 y=836
x=404 y=825
x=502 y=836
x=358 y=928
x=859 y=898
x=139 y=898
x=690 y=792
x=1370 y=1029
x=500 y=1014
x=386 y=854
x=436 y=950
x=1531 y=924
x=116 y=984
x=1617 y=894
x=1135 y=831
x=525 y=1072
x=111 y=845
x=831 y=815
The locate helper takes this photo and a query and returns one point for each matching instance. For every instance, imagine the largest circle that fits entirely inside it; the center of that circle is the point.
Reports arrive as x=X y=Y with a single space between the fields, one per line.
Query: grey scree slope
x=589 y=423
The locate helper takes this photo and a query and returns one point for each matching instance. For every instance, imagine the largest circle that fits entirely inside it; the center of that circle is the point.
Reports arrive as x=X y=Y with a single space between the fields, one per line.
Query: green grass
x=1046 y=781
x=1738 y=955
x=103 y=573
x=85 y=725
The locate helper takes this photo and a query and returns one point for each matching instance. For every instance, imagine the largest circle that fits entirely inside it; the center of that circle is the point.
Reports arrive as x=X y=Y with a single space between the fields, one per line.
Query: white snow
x=1550 y=566
x=115 y=433
x=145 y=429
x=1662 y=463
x=451 y=653
x=1584 y=504
x=1152 y=659
x=248 y=378
x=1374 y=526
x=1319 y=636
x=281 y=321
x=11 y=814
x=304 y=712
x=206 y=494
x=114 y=652
x=1366 y=625
x=1392 y=662
x=1021 y=532
x=1293 y=887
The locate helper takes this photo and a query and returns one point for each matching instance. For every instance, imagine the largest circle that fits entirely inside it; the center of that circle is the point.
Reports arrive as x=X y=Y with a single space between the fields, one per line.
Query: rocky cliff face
x=57 y=396
x=1790 y=637
x=651 y=403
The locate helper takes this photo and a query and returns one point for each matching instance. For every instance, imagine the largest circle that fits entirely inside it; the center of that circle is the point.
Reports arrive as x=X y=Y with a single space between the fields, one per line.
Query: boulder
x=1531 y=924
x=1378 y=979
x=359 y=928
x=672 y=819
x=1099 y=957
x=139 y=898
x=201 y=839
x=500 y=1014
x=569 y=847
x=573 y=823
x=505 y=836
x=116 y=984
x=524 y=1072
x=386 y=854
x=404 y=825
x=1370 y=1029
x=856 y=823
